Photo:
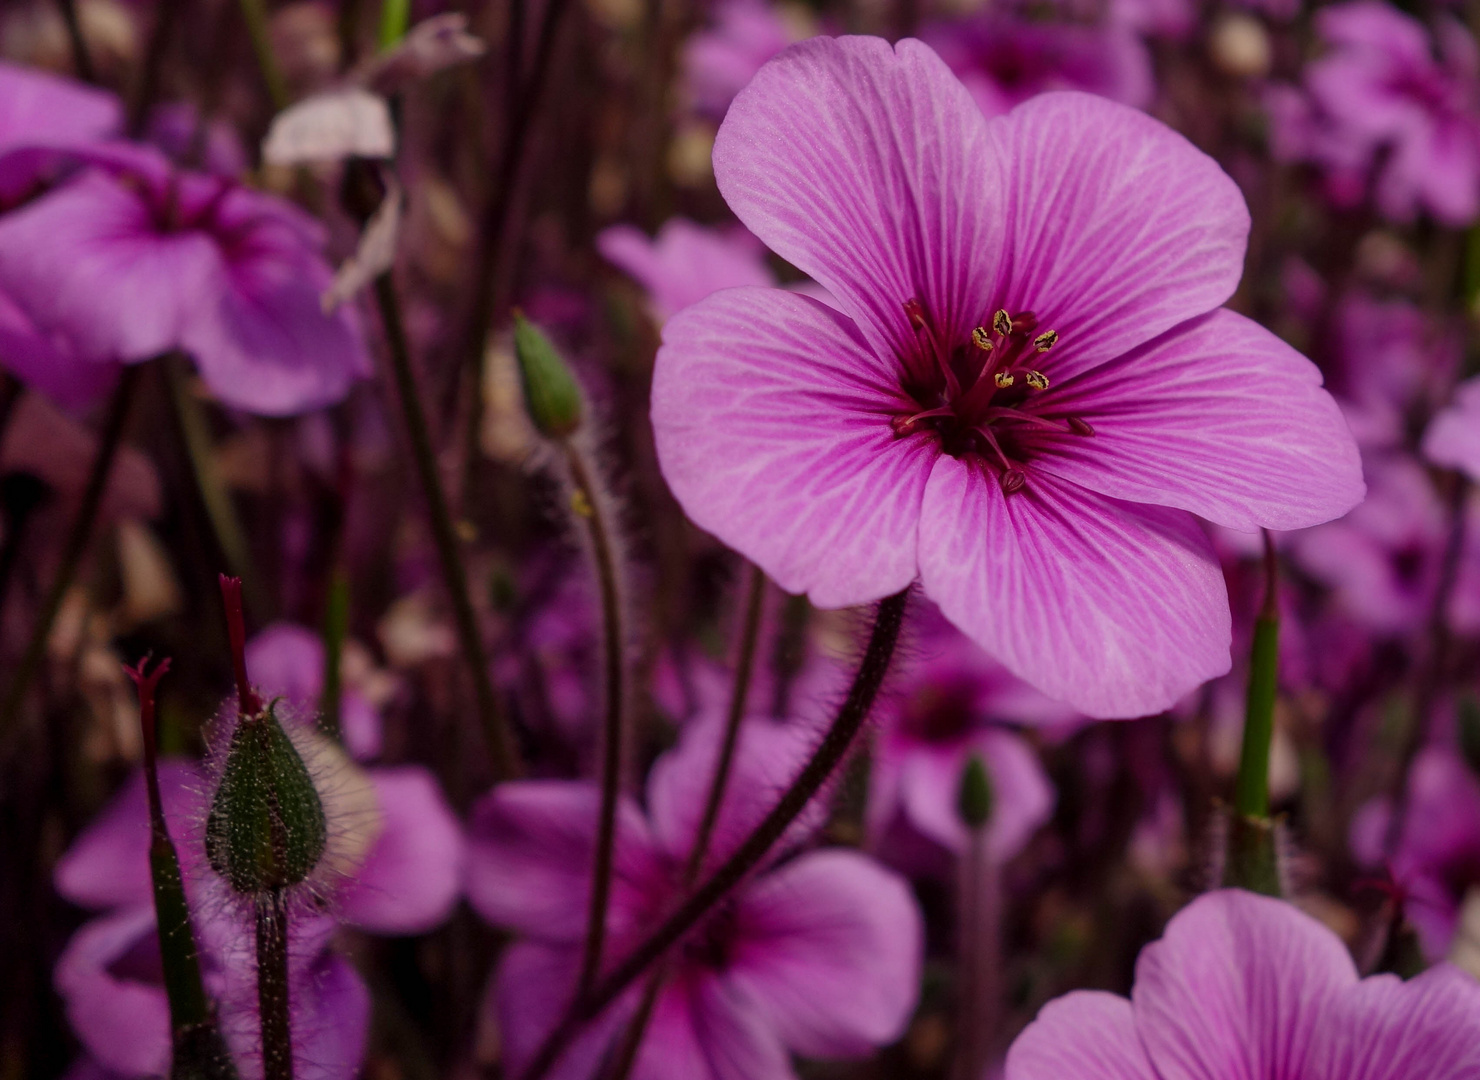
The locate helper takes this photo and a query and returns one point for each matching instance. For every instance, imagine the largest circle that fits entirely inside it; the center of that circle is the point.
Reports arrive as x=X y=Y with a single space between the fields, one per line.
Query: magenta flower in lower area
x=1243 y=986
x=134 y=259
x=1028 y=390
x=818 y=955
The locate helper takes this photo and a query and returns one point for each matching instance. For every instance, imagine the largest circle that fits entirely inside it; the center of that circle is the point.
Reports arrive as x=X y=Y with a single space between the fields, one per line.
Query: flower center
x=985 y=398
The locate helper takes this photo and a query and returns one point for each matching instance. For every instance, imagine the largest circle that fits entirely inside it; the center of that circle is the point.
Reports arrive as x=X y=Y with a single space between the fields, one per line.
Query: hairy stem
x=272 y=986
x=495 y=724
x=591 y=509
x=626 y=1055
x=72 y=548
x=834 y=746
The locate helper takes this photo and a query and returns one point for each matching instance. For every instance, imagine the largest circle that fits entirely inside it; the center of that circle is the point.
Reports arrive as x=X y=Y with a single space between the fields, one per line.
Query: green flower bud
x=974 y=797
x=266 y=828
x=551 y=394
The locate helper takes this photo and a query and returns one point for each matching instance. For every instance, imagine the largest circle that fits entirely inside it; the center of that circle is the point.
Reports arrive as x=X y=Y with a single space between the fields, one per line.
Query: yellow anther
x=1002 y=323
x=981 y=337
x=1046 y=340
x=1036 y=379
x=1003 y=379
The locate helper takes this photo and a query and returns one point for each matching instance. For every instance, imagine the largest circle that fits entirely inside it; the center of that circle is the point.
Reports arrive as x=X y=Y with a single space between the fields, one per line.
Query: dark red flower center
x=985 y=398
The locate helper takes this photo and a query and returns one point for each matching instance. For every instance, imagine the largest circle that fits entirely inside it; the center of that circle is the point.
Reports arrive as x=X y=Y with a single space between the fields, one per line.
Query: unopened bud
x=266 y=828
x=974 y=797
x=551 y=394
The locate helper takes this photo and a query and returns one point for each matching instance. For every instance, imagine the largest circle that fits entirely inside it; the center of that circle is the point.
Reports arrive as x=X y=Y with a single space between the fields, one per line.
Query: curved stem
x=591 y=509
x=626 y=1055
x=835 y=744
x=495 y=725
x=73 y=548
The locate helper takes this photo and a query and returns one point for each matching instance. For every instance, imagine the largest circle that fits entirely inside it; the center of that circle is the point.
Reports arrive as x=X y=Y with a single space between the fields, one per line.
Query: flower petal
x=531 y=988
x=1086 y=1035
x=1387 y=1029
x=767 y=758
x=1115 y=608
x=870 y=169
x=1217 y=416
x=530 y=854
x=771 y=417
x=1117 y=228
x=1022 y=797
x=1453 y=437
x=413 y=874
x=702 y=1030
x=685 y=262
x=829 y=947
x=1236 y=988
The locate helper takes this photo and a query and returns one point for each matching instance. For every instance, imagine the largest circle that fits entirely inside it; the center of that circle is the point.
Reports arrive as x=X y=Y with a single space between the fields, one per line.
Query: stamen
x=1036 y=379
x=1007 y=412
x=915 y=312
x=991 y=438
x=1012 y=481
x=1002 y=323
x=905 y=425
x=1046 y=340
x=1004 y=379
x=981 y=337
x=1025 y=323
x=1080 y=426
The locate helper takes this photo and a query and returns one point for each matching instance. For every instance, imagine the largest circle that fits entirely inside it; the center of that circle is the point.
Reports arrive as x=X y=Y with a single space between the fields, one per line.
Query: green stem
x=272 y=986
x=591 y=509
x=395 y=17
x=72 y=548
x=495 y=725
x=255 y=16
x=1252 y=861
x=336 y=629
x=215 y=496
x=830 y=751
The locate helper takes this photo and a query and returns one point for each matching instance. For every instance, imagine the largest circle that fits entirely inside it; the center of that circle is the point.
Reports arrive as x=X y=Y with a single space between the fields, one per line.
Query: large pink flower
x=1243 y=987
x=1039 y=488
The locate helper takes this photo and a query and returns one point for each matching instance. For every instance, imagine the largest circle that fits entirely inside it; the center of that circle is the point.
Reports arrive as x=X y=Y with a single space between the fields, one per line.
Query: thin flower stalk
x=254 y=14
x=494 y=723
x=73 y=548
x=626 y=1055
x=834 y=746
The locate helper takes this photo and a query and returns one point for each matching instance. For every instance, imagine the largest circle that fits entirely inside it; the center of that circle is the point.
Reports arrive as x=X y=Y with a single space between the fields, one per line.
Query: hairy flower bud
x=266 y=828
x=974 y=796
x=551 y=393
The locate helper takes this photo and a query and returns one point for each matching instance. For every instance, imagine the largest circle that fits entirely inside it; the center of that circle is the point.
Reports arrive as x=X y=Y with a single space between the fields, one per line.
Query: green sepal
x=266 y=828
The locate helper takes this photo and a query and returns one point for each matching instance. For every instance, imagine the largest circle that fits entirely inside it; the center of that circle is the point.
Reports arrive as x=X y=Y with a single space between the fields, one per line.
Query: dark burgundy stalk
x=247 y=701
x=829 y=753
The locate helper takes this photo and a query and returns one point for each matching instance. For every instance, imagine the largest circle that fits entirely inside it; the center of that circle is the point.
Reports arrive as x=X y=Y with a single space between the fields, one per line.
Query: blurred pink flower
x=685 y=262
x=134 y=259
x=1005 y=61
x=818 y=955
x=1246 y=986
x=1437 y=858
x=1453 y=437
x=1041 y=494
x=720 y=60
x=1381 y=97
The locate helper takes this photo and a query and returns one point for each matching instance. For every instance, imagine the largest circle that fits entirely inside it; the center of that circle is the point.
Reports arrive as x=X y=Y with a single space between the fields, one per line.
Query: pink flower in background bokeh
x=1027 y=386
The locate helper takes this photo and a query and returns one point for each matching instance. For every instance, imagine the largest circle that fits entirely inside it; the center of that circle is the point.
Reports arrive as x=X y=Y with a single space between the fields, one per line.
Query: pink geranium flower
x=1028 y=391
x=1249 y=987
x=135 y=258
x=1453 y=438
x=685 y=262
x=819 y=955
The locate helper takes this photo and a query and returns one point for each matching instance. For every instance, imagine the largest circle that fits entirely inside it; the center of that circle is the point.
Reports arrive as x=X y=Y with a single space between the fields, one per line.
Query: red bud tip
x=248 y=703
x=147 y=683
